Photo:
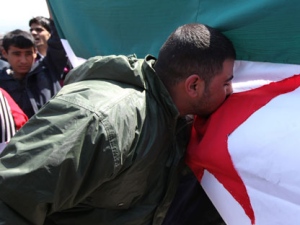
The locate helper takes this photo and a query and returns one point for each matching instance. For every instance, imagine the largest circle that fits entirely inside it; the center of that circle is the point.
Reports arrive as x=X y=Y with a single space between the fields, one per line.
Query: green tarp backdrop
x=261 y=30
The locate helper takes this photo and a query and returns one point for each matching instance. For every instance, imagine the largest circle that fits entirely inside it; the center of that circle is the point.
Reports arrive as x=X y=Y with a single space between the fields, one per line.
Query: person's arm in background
x=56 y=58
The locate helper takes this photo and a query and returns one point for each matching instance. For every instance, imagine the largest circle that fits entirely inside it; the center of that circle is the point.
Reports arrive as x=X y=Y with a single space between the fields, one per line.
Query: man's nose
x=23 y=59
x=229 y=90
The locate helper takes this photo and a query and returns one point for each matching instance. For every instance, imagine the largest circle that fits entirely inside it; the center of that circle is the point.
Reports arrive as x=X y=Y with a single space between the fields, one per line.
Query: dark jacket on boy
x=42 y=81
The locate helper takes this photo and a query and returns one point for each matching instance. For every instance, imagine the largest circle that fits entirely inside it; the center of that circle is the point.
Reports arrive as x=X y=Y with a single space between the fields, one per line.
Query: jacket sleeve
x=19 y=116
x=56 y=58
x=54 y=162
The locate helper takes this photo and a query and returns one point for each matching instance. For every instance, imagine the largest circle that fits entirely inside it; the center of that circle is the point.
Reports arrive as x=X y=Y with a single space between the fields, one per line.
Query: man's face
x=40 y=34
x=219 y=88
x=20 y=59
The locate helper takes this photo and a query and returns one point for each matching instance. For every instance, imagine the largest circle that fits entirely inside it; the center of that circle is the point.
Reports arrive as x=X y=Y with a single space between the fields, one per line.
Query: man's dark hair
x=43 y=21
x=19 y=39
x=193 y=49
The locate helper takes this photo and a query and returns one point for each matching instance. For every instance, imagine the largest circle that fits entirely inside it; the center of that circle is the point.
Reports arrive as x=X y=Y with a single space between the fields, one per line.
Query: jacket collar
x=157 y=88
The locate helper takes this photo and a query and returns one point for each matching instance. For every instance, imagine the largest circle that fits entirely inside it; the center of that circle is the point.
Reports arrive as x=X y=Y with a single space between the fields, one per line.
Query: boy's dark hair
x=43 y=21
x=19 y=39
x=193 y=49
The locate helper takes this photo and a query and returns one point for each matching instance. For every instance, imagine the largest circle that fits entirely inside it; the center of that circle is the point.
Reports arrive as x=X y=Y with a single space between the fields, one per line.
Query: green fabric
x=100 y=152
x=261 y=30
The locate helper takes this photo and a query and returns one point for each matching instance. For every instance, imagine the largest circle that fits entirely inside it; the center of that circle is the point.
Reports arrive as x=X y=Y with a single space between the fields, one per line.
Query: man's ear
x=194 y=86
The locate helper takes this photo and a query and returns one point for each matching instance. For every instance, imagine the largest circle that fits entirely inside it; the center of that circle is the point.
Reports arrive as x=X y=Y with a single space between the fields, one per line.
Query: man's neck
x=16 y=76
x=42 y=50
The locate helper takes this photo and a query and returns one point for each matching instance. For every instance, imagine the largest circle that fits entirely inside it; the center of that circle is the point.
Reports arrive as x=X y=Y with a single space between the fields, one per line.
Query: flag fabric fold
x=261 y=30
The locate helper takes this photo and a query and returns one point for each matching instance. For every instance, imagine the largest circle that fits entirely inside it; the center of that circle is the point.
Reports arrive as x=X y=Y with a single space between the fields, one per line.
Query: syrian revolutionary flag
x=246 y=156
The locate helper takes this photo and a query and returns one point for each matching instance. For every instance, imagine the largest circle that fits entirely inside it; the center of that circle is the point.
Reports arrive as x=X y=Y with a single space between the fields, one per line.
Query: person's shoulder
x=3 y=64
x=5 y=73
x=38 y=67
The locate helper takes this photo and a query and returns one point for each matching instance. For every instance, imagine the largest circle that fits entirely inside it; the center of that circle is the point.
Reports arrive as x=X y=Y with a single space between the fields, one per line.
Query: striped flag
x=247 y=158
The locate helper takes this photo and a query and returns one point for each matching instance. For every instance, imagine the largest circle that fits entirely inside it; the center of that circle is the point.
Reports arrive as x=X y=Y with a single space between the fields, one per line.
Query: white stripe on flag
x=249 y=75
x=267 y=141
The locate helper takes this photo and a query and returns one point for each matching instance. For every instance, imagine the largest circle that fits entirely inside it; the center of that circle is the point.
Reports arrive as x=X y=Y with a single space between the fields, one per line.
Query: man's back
x=124 y=164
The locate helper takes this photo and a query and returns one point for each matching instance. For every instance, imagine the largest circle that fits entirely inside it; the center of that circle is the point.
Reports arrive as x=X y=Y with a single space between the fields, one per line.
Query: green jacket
x=106 y=150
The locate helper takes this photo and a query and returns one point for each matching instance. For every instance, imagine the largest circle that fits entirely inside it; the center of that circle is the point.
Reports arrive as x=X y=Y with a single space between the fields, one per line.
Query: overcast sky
x=15 y=14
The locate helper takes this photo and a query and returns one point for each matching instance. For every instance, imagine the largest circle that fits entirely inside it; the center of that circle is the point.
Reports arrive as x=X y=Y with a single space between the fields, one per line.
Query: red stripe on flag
x=208 y=146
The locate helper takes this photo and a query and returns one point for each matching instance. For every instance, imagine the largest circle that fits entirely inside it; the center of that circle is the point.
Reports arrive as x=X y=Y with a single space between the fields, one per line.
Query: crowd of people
x=32 y=65
x=109 y=147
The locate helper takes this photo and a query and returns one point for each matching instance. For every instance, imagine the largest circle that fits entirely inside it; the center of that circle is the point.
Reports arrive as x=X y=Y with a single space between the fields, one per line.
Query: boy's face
x=20 y=59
